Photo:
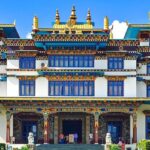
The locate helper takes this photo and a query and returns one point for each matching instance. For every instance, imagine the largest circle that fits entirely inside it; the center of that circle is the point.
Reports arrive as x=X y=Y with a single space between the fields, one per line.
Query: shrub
x=2 y=146
x=115 y=147
x=24 y=148
x=144 y=144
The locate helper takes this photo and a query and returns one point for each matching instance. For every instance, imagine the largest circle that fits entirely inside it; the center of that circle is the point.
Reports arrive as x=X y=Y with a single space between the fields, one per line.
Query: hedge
x=2 y=146
x=115 y=147
x=144 y=145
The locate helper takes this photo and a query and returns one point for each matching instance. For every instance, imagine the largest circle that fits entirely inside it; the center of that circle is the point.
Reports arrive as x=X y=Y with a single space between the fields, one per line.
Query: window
x=71 y=88
x=148 y=90
x=148 y=68
x=115 y=88
x=27 y=88
x=27 y=63
x=147 y=127
x=115 y=63
x=71 y=61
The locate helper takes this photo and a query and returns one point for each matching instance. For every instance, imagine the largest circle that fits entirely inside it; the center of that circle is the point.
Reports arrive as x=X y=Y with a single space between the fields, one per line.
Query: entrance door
x=29 y=126
x=73 y=127
x=115 y=128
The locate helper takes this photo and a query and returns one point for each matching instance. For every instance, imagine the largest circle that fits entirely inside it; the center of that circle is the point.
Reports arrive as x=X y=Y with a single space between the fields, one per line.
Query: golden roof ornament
x=57 y=18
x=106 y=23
x=73 y=16
x=149 y=15
x=88 y=19
x=35 y=23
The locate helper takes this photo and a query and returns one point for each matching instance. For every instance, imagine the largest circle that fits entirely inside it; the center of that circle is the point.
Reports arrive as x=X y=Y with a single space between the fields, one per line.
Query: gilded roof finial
x=73 y=16
x=35 y=23
x=88 y=19
x=106 y=23
x=57 y=18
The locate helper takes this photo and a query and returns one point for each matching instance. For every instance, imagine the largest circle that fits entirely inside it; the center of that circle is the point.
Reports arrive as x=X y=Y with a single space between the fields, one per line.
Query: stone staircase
x=69 y=147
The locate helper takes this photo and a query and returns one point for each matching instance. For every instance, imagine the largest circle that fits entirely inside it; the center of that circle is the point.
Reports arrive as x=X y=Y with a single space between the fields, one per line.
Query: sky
x=118 y=11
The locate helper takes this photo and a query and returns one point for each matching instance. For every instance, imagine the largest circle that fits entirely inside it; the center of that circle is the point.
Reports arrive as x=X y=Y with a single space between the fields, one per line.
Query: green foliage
x=24 y=148
x=144 y=145
x=2 y=146
x=115 y=147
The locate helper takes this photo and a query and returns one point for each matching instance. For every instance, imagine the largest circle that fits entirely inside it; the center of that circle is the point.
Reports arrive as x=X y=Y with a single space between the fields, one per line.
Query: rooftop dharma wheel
x=35 y=23
x=106 y=23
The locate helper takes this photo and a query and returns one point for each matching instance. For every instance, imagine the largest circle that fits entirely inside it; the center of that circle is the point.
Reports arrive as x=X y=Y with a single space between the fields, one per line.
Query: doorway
x=29 y=126
x=115 y=128
x=73 y=127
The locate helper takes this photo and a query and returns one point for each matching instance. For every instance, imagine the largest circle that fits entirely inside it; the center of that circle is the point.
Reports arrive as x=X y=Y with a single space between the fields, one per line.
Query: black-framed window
x=27 y=62
x=71 y=61
x=147 y=127
x=115 y=63
x=71 y=88
x=27 y=87
x=115 y=88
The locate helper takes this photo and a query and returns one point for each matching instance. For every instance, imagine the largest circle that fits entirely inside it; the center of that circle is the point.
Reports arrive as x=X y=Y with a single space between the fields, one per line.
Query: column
x=96 y=127
x=87 y=129
x=8 y=116
x=134 y=127
x=56 y=129
x=46 y=127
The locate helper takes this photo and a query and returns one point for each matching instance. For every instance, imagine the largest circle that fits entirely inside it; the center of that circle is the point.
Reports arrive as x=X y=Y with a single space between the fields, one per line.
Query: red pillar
x=8 y=116
x=46 y=128
x=134 y=128
x=96 y=127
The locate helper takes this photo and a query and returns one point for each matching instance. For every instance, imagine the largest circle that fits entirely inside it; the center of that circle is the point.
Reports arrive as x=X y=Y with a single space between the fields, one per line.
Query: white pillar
x=11 y=126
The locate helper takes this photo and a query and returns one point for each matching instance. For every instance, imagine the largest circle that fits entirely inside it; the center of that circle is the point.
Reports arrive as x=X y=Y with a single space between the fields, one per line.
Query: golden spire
x=88 y=18
x=106 y=23
x=35 y=23
x=73 y=16
x=57 y=18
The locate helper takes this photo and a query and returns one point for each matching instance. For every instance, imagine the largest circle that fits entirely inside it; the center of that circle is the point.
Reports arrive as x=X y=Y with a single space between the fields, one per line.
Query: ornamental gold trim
x=70 y=78
x=116 y=78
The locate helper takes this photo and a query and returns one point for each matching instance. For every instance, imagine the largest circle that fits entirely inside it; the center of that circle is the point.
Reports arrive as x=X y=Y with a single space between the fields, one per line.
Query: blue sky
x=135 y=11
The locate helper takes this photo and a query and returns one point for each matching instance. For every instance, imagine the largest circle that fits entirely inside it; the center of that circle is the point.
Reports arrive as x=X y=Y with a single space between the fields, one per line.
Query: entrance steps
x=69 y=147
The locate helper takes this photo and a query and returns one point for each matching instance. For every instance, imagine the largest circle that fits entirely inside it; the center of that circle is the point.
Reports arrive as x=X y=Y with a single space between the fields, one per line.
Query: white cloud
x=28 y=36
x=119 y=29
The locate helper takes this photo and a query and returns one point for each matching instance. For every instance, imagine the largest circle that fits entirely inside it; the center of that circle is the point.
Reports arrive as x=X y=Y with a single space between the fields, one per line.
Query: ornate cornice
x=70 y=78
x=123 y=43
x=70 y=37
x=26 y=77
x=19 y=42
x=115 y=78
x=71 y=52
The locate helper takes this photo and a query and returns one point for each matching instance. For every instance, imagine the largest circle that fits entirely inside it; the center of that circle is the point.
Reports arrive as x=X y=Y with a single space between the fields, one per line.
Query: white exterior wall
x=2 y=69
x=129 y=64
x=130 y=87
x=39 y=62
x=142 y=69
x=141 y=122
x=12 y=86
x=2 y=126
x=41 y=87
x=141 y=89
x=101 y=87
x=3 y=88
x=13 y=64
x=100 y=64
